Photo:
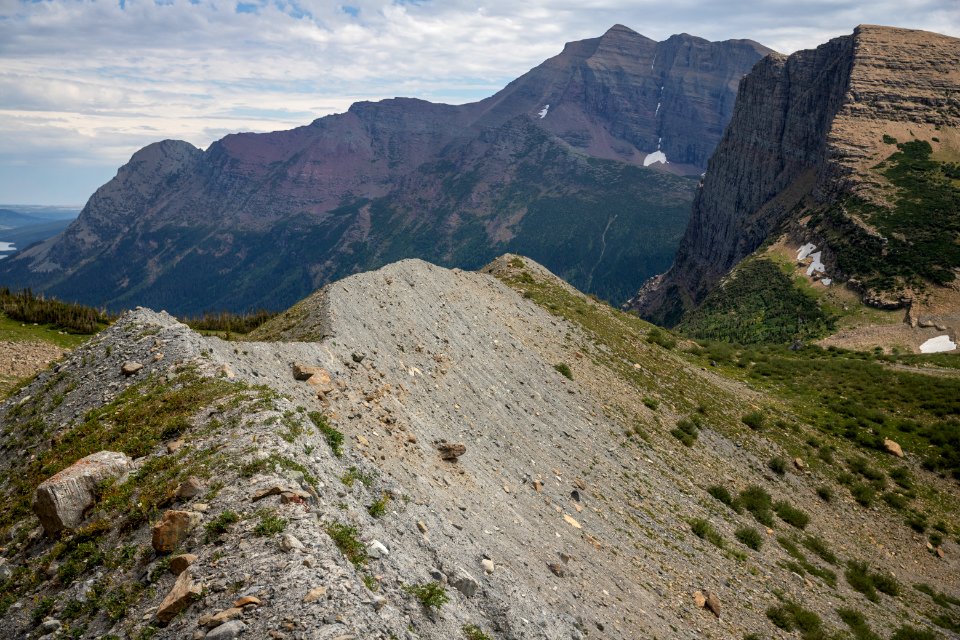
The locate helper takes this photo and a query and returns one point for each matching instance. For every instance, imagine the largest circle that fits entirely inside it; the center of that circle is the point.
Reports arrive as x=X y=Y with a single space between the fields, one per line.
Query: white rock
x=289 y=542
x=376 y=549
x=61 y=500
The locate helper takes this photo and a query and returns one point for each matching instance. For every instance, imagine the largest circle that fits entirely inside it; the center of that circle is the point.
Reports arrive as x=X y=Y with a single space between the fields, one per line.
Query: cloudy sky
x=84 y=84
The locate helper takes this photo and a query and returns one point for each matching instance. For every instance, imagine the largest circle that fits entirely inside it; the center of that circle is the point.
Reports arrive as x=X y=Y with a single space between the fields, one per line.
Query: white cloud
x=93 y=80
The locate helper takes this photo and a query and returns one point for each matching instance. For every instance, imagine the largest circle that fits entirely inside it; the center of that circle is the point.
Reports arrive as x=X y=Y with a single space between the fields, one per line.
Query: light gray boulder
x=61 y=501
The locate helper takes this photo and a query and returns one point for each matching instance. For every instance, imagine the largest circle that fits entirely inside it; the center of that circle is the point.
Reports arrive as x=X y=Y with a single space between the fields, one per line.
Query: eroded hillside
x=611 y=483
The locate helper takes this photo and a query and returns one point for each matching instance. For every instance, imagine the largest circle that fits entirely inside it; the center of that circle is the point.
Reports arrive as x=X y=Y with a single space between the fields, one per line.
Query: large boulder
x=62 y=500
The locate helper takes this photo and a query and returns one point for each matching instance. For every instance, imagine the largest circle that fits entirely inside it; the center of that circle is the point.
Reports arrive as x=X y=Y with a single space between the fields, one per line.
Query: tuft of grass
x=791 y=515
x=686 y=431
x=473 y=632
x=703 y=529
x=270 y=523
x=721 y=494
x=820 y=548
x=825 y=493
x=857 y=623
x=347 y=539
x=431 y=595
x=333 y=437
x=749 y=537
x=379 y=507
x=778 y=465
x=758 y=502
x=651 y=403
x=862 y=579
x=906 y=632
x=791 y=616
x=864 y=494
x=353 y=475
x=220 y=525
x=754 y=420
x=564 y=370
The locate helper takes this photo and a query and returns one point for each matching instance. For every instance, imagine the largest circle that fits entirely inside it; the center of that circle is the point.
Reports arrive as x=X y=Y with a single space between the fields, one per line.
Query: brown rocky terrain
x=803 y=155
x=532 y=169
x=402 y=455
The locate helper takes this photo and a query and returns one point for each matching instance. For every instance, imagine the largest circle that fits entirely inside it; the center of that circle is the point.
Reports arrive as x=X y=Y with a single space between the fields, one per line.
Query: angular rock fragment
x=61 y=501
x=181 y=595
x=450 y=451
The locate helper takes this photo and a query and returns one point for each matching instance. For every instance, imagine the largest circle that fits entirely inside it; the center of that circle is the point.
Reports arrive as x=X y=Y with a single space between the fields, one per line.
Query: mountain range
x=588 y=163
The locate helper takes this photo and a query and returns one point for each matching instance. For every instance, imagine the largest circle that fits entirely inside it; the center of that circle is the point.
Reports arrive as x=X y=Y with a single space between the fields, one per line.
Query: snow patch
x=657 y=111
x=656 y=156
x=815 y=265
x=805 y=250
x=543 y=112
x=7 y=246
x=938 y=345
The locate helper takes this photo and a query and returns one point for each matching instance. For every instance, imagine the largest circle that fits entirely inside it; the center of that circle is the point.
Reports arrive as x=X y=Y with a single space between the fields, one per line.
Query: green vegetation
x=919 y=233
x=754 y=420
x=858 y=624
x=862 y=579
x=431 y=595
x=220 y=525
x=758 y=303
x=722 y=495
x=906 y=632
x=228 y=322
x=759 y=503
x=347 y=539
x=791 y=515
x=825 y=493
x=333 y=437
x=942 y=599
x=687 y=430
x=661 y=338
x=270 y=523
x=378 y=508
x=790 y=616
x=25 y=306
x=749 y=537
x=353 y=474
x=703 y=529
x=473 y=632
x=564 y=370
x=778 y=465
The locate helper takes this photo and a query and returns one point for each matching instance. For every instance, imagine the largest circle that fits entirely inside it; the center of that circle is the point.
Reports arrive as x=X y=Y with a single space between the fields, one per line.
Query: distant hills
x=587 y=163
x=23 y=225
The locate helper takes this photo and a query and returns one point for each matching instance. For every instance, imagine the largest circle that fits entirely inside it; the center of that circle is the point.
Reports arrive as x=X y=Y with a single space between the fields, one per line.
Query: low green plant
x=703 y=529
x=686 y=431
x=347 y=539
x=754 y=420
x=825 y=493
x=473 y=632
x=333 y=437
x=270 y=523
x=431 y=595
x=220 y=525
x=651 y=403
x=564 y=370
x=353 y=474
x=791 y=616
x=857 y=623
x=906 y=632
x=661 y=338
x=791 y=515
x=749 y=537
x=721 y=494
x=864 y=494
x=379 y=507
x=862 y=579
x=820 y=548
x=778 y=465
x=759 y=503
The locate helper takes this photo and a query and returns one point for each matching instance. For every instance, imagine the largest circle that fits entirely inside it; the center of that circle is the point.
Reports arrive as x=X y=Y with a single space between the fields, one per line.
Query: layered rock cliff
x=802 y=155
x=553 y=165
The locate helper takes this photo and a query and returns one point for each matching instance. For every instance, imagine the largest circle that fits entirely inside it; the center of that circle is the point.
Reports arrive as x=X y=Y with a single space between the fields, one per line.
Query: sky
x=85 y=83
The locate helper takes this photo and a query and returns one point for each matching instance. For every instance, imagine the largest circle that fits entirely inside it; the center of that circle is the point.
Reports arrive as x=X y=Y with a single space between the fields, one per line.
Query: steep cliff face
x=807 y=134
x=558 y=154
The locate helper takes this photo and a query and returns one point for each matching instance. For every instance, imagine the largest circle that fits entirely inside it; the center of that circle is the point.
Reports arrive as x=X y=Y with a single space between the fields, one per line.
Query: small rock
x=699 y=599
x=487 y=565
x=179 y=598
x=179 y=564
x=310 y=561
x=227 y=372
x=799 y=464
x=224 y=616
x=940 y=552
x=173 y=529
x=247 y=600
x=465 y=583
x=571 y=521
x=289 y=542
x=892 y=447
x=557 y=569
x=315 y=594
x=227 y=631
x=713 y=603
x=5 y=571
x=50 y=625
x=358 y=357
x=157 y=357
x=190 y=488
x=272 y=490
x=377 y=550
x=537 y=485
x=451 y=451
x=422 y=527
x=130 y=367
x=175 y=445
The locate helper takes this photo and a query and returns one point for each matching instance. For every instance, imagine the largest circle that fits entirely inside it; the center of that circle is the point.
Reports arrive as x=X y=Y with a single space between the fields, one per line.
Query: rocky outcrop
x=804 y=132
x=188 y=230
x=61 y=501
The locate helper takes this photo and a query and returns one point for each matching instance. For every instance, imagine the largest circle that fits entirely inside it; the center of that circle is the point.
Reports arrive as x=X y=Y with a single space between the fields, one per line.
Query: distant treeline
x=229 y=322
x=26 y=306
